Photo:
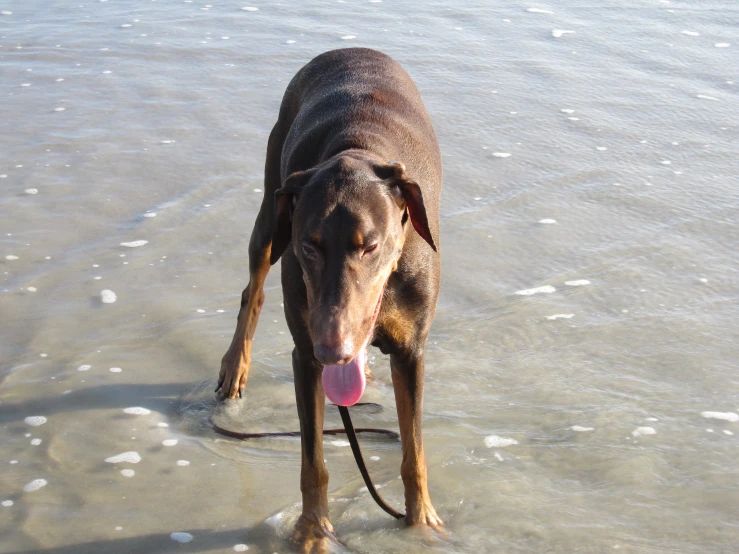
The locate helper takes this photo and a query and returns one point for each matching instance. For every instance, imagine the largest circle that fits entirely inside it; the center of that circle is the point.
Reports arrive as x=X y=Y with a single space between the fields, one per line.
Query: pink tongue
x=344 y=384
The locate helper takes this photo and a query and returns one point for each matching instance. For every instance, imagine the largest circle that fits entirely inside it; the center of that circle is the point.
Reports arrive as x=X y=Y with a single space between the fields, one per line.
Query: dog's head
x=347 y=221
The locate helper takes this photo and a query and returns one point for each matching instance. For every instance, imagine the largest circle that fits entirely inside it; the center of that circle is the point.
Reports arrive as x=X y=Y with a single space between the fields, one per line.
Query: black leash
x=351 y=434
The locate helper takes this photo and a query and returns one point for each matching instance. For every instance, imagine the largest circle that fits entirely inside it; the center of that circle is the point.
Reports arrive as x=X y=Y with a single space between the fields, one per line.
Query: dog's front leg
x=313 y=531
x=407 y=372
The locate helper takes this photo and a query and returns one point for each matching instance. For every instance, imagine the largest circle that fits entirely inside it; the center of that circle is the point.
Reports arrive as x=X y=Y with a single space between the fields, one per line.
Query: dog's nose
x=338 y=353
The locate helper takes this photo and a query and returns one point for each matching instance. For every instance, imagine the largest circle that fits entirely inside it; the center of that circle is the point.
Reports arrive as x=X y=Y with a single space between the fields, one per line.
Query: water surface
x=595 y=170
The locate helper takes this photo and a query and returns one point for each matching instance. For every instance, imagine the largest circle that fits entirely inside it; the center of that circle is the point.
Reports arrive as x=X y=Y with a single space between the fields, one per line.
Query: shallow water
x=147 y=121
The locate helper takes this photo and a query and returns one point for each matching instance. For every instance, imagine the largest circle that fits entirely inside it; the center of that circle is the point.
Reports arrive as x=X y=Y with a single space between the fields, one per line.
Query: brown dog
x=352 y=164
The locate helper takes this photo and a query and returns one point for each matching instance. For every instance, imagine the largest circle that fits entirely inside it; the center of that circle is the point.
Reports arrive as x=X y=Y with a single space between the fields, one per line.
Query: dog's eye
x=309 y=251
x=371 y=248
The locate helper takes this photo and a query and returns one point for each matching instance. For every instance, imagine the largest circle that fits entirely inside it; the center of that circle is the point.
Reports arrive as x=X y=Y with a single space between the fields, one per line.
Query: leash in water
x=351 y=434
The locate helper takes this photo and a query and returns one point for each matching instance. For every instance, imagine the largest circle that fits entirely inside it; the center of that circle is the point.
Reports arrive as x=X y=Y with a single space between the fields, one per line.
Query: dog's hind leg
x=237 y=360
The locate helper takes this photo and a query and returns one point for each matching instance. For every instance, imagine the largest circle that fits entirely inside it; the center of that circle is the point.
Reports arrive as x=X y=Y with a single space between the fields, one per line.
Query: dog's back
x=360 y=98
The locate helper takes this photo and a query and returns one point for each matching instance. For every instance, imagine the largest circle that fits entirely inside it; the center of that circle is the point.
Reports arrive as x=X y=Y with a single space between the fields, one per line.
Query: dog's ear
x=408 y=195
x=285 y=199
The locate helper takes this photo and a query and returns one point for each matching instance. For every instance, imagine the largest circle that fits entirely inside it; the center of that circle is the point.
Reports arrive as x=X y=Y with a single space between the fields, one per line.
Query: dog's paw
x=425 y=516
x=315 y=537
x=232 y=377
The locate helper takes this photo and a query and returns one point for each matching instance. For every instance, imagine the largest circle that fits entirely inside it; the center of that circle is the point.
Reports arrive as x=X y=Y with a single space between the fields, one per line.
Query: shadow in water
x=204 y=540
x=163 y=398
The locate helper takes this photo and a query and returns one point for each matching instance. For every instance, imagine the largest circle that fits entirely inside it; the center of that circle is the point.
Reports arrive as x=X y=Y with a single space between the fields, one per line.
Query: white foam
x=181 y=537
x=135 y=243
x=59 y=109
x=691 y=33
x=107 y=296
x=84 y=367
x=348 y=37
x=240 y=548
x=727 y=432
x=162 y=424
x=722 y=44
x=200 y=311
x=11 y=257
x=548 y=221
x=183 y=463
x=601 y=148
x=170 y=442
x=577 y=283
x=560 y=316
x=6 y=12
x=546 y=289
x=340 y=443
x=501 y=155
x=131 y=457
x=642 y=431
x=726 y=416
x=150 y=214
x=35 y=485
x=567 y=110
x=290 y=42
x=557 y=33
x=126 y=25
x=136 y=410
x=494 y=441
x=115 y=370
x=31 y=289
x=706 y=97
x=703 y=280
x=537 y=10
x=35 y=421
x=250 y=9
x=274 y=521
x=36 y=442
x=374 y=458
x=7 y=503
x=581 y=429
x=31 y=191
x=128 y=472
